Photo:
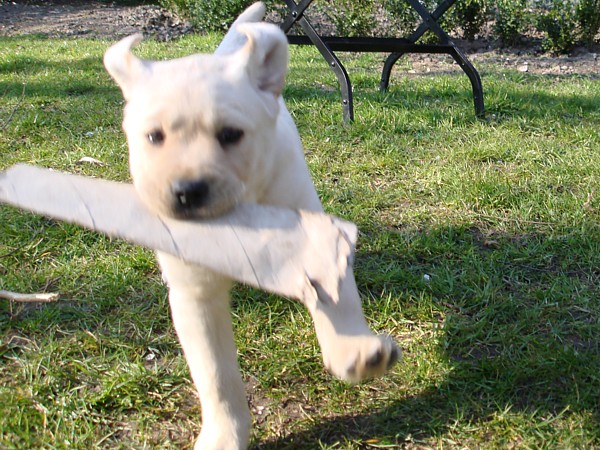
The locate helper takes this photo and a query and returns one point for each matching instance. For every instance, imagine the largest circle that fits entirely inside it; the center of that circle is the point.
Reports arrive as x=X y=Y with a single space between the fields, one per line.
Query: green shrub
x=179 y=6
x=407 y=19
x=470 y=15
x=404 y=16
x=588 y=18
x=563 y=22
x=559 y=24
x=353 y=18
x=208 y=15
x=511 y=18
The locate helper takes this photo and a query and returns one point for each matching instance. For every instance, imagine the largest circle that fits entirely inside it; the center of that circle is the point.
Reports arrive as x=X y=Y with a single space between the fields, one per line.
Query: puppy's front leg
x=350 y=349
x=199 y=302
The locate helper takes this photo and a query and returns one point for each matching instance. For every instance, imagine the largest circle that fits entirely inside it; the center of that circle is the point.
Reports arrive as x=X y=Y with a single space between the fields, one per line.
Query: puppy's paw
x=222 y=444
x=224 y=435
x=357 y=358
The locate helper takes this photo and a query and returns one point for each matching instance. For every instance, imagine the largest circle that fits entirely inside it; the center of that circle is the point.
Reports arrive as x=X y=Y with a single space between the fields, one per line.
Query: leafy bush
x=588 y=18
x=208 y=15
x=559 y=24
x=471 y=15
x=353 y=18
x=511 y=20
x=404 y=16
x=563 y=22
x=407 y=19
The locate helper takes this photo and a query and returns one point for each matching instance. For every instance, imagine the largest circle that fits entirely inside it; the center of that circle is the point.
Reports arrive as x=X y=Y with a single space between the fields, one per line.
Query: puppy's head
x=200 y=129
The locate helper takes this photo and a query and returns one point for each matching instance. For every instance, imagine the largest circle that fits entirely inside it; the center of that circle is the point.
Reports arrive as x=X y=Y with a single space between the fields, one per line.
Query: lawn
x=479 y=250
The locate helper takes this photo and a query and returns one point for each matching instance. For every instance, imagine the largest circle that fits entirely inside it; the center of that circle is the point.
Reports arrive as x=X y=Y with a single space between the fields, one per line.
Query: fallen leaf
x=90 y=160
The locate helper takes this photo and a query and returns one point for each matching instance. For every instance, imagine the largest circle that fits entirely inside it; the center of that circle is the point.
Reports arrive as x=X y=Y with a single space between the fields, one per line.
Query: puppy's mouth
x=199 y=199
x=207 y=212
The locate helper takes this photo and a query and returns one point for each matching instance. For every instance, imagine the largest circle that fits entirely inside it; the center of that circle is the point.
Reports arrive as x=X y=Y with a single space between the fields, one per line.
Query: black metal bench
x=395 y=46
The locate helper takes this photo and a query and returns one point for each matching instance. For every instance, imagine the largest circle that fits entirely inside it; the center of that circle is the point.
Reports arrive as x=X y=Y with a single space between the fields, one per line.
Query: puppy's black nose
x=190 y=194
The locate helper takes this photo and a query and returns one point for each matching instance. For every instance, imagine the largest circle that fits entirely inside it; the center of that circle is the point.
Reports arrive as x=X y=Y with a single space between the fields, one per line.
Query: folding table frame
x=395 y=46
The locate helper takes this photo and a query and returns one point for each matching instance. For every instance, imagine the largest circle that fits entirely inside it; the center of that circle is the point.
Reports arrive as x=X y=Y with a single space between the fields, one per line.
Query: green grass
x=501 y=343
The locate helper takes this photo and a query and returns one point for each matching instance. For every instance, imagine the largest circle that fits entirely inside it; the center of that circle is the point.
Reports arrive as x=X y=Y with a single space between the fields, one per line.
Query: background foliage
x=561 y=23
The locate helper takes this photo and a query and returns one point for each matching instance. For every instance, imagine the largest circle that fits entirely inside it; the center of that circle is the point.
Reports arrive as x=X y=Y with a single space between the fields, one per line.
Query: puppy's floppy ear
x=265 y=55
x=125 y=68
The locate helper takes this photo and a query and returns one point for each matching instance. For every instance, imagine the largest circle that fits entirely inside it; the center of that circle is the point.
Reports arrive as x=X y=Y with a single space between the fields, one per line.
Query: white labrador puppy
x=206 y=132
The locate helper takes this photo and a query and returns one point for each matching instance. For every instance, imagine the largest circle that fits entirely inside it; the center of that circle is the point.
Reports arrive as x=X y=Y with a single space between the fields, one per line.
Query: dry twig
x=16 y=297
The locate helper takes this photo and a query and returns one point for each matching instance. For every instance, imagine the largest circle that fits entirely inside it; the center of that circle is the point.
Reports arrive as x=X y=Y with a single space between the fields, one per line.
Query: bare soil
x=105 y=20
x=93 y=19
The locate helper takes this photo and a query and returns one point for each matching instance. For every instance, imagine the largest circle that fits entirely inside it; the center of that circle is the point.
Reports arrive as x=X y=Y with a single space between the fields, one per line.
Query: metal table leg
x=430 y=23
x=473 y=75
x=420 y=31
x=296 y=16
x=338 y=69
x=397 y=47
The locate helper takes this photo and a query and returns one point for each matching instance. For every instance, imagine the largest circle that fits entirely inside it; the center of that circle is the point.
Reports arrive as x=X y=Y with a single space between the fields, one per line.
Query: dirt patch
x=97 y=19
x=92 y=19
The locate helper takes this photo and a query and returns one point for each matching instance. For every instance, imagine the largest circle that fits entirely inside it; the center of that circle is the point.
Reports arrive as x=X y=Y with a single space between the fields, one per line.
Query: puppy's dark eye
x=156 y=137
x=229 y=136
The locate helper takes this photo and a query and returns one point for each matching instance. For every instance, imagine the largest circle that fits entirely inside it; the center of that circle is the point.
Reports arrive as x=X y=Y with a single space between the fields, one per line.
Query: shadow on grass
x=519 y=335
x=453 y=91
x=434 y=411
x=74 y=84
x=477 y=396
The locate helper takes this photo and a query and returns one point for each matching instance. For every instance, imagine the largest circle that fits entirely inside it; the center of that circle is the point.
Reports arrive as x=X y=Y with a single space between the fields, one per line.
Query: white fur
x=191 y=99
